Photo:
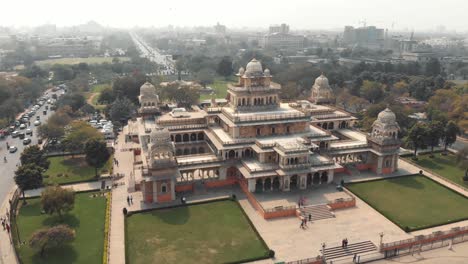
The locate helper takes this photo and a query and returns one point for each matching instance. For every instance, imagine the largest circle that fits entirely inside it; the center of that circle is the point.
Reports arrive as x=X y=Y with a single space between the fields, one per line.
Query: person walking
x=354 y=257
x=302 y=224
x=3 y=223
x=310 y=217
x=128 y=200
x=8 y=228
x=131 y=199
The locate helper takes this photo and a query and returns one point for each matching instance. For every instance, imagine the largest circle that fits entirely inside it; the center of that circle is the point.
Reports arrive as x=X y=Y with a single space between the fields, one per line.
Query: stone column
x=271 y=180
x=396 y=162
x=173 y=190
x=286 y=181
x=251 y=185
x=379 y=165
x=155 y=192
x=303 y=181
x=330 y=175
x=143 y=189
x=222 y=173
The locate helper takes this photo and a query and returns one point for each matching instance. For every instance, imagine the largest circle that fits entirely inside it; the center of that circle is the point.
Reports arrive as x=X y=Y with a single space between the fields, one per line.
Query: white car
x=12 y=149
x=26 y=141
x=22 y=126
x=29 y=131
x=37 y=123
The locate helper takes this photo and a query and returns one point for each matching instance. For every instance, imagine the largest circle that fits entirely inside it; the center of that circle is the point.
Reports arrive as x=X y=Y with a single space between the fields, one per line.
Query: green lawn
x=93 y=96
x=445 y=166
x=416 y=201
x=65 y=169
x=89 y=60
x=219 y=88
x=87 y=218
x=215 y=232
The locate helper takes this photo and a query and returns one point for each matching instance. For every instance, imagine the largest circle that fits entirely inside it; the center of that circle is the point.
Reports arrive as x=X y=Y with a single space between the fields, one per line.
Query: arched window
x=330 y=125
x=243 y=101
x=273 y=130
x=259 y=131
x=287 y=129
x=163 y=188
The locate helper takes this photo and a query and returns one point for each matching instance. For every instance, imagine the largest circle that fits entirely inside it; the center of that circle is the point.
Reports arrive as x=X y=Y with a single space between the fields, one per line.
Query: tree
x=28 y=177
x=77 y=134
x=462 y=161
x=51 y=237
x=34 y=155
x=121 y=109
x=433 y=67
x=205 y=76
x=96 y=153
x=74 y=100
x=225 y=67
x=417 y=137
x=63 y=72
x=450 y=134
x=435 y=131
x=56 y=199
x=372 y=91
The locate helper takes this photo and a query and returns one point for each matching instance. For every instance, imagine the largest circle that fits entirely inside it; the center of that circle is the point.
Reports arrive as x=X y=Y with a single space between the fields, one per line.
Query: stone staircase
x=350 y=250
x=318 y=212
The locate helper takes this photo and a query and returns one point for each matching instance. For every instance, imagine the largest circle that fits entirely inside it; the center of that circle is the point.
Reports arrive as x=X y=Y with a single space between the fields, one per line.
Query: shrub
x=271 y=253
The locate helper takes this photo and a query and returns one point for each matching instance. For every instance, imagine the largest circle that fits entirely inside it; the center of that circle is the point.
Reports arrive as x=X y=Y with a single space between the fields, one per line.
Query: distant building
x=280 y=38
x=68 y=47
x=367 y=37
x=220 y=29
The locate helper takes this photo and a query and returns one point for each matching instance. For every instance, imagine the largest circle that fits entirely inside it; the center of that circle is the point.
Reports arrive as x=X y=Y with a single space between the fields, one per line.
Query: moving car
x=15 y=134
x=22 y=126
x=21 y=135
x=37 y=123
x=12 y=149
x=26 y=141
x=29 y=131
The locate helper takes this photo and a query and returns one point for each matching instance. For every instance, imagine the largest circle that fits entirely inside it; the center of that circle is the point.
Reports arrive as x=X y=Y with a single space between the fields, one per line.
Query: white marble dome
x=241 y=71
x=387 y=117
x=321 y=81
x=254 y=67
x=147 y=90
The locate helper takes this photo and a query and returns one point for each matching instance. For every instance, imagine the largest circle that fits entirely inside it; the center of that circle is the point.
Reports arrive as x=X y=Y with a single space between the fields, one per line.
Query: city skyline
x=299 y=14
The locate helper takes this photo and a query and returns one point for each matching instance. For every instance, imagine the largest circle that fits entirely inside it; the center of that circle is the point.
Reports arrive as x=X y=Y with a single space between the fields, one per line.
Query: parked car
x=37 y=123
x=38 y=117
x=44 y=112
x=21 y=135
x=14 y=134
x=29 y=131
x=26 y=141
x=12 y=149
x=22 y=126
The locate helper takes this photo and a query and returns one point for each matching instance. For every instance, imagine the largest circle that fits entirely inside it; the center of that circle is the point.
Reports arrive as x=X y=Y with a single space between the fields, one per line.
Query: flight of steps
x=318 y=212
x=350 y=250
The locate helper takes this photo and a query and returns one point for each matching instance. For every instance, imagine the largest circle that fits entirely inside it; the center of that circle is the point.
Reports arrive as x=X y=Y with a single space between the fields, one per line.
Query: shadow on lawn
x=67 y=219
x=173 y=216
x=65 y=254
x=410 y=182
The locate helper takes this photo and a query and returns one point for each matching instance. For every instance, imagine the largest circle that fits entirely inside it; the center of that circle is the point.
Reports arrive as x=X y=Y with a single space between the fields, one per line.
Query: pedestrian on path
x=3 y=223
x=310 y=217
x=128 y=200
x=302 y=224
x=8 y=228
x=354 y=257
x=131 y=199
x=342 y=243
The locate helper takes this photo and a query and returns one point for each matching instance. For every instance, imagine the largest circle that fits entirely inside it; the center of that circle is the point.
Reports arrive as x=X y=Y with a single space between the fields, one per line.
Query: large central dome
x=148 y=90
x=254 y=67
x=387 y=117
x=322 y=82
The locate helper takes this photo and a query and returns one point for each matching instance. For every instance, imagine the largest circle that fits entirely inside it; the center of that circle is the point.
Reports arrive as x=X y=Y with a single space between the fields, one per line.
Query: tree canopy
x=52 y=237
x=34 y=155
x=96 y=153
x=55 y=199
x=28 y=177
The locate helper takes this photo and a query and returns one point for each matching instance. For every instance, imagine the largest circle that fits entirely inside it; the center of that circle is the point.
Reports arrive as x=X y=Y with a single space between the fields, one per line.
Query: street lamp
x=381 y=237
x=323 y=248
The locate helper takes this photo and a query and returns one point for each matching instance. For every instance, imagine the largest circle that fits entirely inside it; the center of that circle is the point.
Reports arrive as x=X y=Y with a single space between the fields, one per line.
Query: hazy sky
x=300 y=14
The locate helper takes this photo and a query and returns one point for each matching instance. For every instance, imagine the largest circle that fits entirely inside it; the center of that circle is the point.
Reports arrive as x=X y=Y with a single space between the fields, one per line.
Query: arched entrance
x=186 y=137
x=276 y=183
x=178 y=138
x=325 y=126
x=293 y=184
x=267 y=184
x=201 y=136
x=324 y=177
x=247 y=153
x=232 y=154
x=259 y=186
x=309 y=179
x=316 y=178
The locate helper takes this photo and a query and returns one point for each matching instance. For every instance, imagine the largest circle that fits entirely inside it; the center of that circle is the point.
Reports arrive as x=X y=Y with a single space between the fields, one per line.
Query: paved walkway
x=79 y=187
x=7 y=250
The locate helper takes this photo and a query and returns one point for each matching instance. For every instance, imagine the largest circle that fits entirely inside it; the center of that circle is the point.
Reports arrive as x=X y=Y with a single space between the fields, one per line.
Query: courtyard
x=87 y=219
x=68 y=169
x=215 y=232
x=413 y=202
x=444 y=165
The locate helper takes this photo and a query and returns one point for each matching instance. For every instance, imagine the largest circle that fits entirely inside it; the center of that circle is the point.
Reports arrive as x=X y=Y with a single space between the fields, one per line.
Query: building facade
x=256 y=140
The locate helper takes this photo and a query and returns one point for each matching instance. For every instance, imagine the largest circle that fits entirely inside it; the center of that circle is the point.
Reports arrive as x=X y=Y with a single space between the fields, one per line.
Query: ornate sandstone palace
x=255 y=139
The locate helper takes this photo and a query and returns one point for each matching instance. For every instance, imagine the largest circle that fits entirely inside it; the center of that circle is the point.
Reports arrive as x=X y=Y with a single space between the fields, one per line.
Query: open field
x=216 y=232
x=65 y=169
x=413 y=202
x=87 y=219
x=443 y=165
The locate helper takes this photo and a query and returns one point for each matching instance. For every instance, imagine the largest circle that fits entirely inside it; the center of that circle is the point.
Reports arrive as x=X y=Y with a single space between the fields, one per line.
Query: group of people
x=116 y=162
x=129 y=200
x=344 y=243
x=5 y=224
x=304 y=221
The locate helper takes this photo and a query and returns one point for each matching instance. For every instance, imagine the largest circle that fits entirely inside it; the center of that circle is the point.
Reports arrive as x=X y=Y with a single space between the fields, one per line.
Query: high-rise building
x=368 y=37
x=280 y=38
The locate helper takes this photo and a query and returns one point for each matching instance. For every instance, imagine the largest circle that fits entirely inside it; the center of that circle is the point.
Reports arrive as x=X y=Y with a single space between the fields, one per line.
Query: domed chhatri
x=387 y=117
x=159 y=135
x=241 y=71
x=254 y=67
x=147 y=89
x=321 y=91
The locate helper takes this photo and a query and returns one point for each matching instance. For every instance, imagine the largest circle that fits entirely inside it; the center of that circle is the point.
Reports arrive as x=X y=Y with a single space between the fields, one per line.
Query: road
x=154 y=55
x=7 y=169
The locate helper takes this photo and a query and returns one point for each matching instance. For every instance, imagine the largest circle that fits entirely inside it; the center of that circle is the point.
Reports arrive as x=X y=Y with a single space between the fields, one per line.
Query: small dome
x=267 y=72
x=241 y=71
x=147 y=89
x=387 y=116
x=160 y=135
x=254 y=67
x=321 y=81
